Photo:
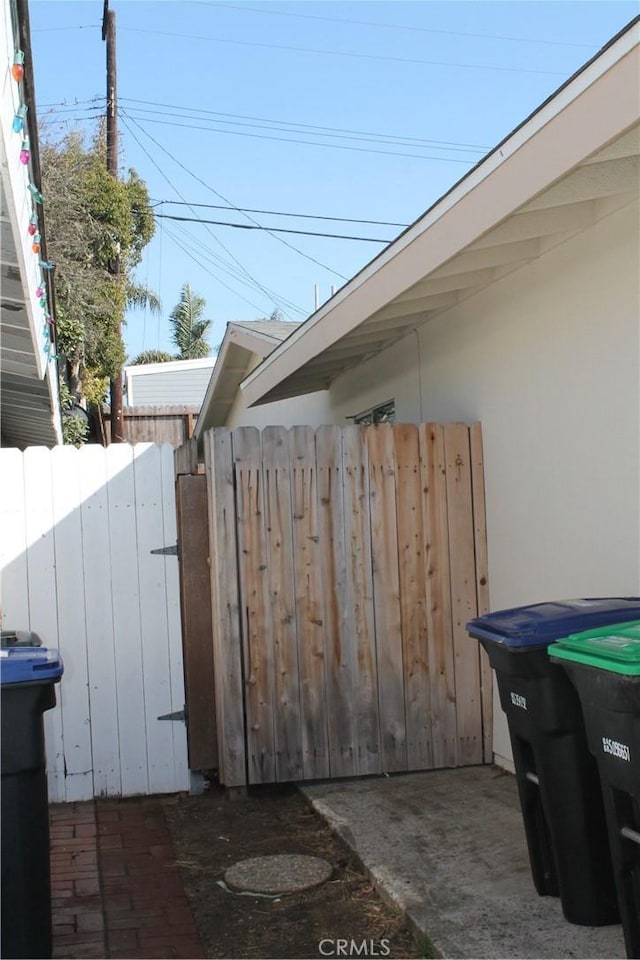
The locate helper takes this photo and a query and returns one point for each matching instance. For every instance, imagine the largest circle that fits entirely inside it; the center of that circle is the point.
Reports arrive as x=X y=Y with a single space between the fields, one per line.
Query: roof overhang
x=233 y=362
x=570 y=163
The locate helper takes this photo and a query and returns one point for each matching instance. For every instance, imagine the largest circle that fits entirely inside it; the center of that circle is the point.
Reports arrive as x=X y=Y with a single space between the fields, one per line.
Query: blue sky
x=364 y=110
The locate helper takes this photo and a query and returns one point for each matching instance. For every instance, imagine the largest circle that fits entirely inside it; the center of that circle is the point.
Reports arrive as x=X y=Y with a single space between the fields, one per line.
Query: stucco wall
x=311 y=410
x=548 y=359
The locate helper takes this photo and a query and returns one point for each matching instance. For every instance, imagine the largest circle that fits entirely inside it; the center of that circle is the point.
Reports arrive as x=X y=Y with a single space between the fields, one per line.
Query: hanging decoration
x=17 y=70
x=25 y=151
x=35 y=193
x=19 y=119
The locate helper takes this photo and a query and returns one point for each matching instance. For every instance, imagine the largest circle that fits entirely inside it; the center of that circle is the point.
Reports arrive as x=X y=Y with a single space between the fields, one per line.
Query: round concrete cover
x=283 y=873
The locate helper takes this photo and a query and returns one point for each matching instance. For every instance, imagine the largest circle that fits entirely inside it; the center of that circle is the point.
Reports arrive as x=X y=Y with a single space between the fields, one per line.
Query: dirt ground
x=213 y=831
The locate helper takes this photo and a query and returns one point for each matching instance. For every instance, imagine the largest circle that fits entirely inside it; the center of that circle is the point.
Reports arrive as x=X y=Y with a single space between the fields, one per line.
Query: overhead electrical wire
x=279 y=213
x=268 y=8
x=264 y=290
x=251 y=226
x=226 y=200
x=342 y=53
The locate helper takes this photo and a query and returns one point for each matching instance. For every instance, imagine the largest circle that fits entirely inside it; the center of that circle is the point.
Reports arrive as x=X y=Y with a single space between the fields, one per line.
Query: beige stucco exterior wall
x=312 y=410
x=548 y=359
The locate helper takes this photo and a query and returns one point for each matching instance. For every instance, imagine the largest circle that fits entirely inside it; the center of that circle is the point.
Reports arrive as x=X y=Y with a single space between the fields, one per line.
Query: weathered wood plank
x=257 y=628
x=197 y=626
x=225 y=609
x=309 y=603
x=386 y=586
x=360 y=608
x=413 y=596
x=482 y=583
x=463 y=592
x=439 y=626
x=338 y=649
x=282 y=608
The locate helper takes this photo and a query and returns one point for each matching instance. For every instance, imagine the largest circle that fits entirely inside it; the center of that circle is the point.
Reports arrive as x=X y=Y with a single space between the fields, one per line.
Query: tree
x=151 y=356
x=92 y=221
x=189 y=326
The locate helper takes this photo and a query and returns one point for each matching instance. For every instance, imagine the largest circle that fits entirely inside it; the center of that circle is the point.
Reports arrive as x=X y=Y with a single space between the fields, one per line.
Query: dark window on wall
x=383 y=413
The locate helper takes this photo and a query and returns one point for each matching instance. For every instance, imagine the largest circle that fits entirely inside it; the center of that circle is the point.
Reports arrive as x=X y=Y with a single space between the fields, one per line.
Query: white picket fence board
x=77 y=530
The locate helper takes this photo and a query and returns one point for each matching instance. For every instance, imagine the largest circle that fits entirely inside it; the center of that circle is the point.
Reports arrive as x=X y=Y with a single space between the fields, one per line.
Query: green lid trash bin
x=604 y=667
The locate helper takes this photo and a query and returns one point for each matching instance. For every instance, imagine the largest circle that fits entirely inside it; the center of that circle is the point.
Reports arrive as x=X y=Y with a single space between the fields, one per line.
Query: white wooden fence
x=77 y=531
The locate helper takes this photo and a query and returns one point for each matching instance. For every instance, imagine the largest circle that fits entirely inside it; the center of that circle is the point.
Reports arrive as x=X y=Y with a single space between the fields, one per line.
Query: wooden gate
x=344 y=564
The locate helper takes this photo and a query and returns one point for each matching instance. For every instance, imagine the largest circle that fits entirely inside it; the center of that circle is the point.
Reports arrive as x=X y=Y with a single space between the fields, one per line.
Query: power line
x=342 y=53
x=251 y=226
x=306 y=126
x=307 y=143
x=281 y=213
x=222 y=197
x=264 y=290
x=393 y=26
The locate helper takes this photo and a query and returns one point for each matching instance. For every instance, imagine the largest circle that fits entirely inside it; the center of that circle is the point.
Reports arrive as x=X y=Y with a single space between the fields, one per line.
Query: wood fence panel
x=361 y=556
x=338 y=649
x=172 y=668
x=197 y=623
x=225 y=608
x=41 y=568
x=73 y=695
x=105 y=746
x=129 y=667
x=282 y=598
x=386 y=586
x=439 y=626
x=413 y=596
x=360 y=608
x=482 y=582
x=257 y=627
x=309 y=605
x=463 y=592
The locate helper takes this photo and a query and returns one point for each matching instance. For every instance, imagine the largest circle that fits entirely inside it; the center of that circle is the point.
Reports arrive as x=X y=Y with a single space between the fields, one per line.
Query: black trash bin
x=557 y=777
x=604 y=666
x=27 y=678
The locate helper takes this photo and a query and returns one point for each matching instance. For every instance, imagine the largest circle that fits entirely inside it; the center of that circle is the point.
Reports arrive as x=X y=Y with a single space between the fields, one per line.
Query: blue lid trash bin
x=604 y=666
x=558 y=780
x=28 y=673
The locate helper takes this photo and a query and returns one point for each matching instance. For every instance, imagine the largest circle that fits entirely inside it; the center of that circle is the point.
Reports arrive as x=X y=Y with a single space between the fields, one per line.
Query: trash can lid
x=541 y=623
x=615 y=648
x=29 y=665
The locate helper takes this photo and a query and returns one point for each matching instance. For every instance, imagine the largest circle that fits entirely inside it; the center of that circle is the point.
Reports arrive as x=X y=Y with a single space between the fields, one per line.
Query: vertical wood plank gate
x=344 y=563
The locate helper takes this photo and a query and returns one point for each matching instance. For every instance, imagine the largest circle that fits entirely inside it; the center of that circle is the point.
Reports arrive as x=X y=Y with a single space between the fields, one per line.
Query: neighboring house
x=176 y=382
x=513 y=301
x=29 y=402
x=245 y=345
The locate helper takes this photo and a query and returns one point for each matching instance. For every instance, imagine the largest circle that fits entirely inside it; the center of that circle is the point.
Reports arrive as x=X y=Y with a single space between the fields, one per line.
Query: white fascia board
x=589 y=111
x=139 y=369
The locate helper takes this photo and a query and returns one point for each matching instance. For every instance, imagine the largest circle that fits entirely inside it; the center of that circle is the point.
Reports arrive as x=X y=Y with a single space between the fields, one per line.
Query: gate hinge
x=173 y=550
x=177 y=715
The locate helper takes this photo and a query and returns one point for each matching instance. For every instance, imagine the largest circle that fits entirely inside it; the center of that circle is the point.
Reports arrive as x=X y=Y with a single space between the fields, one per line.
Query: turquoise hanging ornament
x=19 y=119
x=35 y=193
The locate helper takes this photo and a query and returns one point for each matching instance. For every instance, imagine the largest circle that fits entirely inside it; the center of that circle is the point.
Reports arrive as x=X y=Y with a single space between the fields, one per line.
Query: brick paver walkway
x=116 y=889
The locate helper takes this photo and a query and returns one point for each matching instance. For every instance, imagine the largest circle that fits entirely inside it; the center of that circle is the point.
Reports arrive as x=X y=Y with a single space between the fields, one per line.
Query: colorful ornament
x=35 y=193
x=17 y=70
x=32 y=229
x=19 y=119
x=25 y=152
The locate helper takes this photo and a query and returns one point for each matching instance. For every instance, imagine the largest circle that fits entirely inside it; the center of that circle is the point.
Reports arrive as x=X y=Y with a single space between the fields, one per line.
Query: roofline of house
x=550 y=142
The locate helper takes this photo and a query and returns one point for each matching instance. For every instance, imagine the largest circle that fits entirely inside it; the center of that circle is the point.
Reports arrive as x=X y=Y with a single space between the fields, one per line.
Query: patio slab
x=448 y=848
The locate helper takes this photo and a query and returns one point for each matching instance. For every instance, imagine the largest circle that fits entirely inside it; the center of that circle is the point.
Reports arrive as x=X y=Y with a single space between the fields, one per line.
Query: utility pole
x=109 y=35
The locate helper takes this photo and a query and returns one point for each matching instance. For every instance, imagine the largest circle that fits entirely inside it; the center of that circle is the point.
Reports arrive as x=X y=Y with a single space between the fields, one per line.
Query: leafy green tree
x=189 y=326
x=93 y=222
x=151 y=356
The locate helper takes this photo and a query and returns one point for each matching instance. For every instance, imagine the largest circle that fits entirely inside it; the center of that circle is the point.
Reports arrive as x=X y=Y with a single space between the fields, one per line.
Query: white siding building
x=174 y=383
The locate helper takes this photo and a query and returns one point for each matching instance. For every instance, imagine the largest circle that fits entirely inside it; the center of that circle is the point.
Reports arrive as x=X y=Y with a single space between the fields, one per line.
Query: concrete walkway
x=448 y=848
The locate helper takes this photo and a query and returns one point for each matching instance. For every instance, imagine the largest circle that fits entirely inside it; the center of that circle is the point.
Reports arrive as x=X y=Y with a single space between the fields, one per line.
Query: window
x=383 y=413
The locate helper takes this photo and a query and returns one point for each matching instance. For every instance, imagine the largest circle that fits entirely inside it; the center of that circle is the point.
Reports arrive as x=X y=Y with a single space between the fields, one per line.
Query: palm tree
x=151 y=356
x=189 y=326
